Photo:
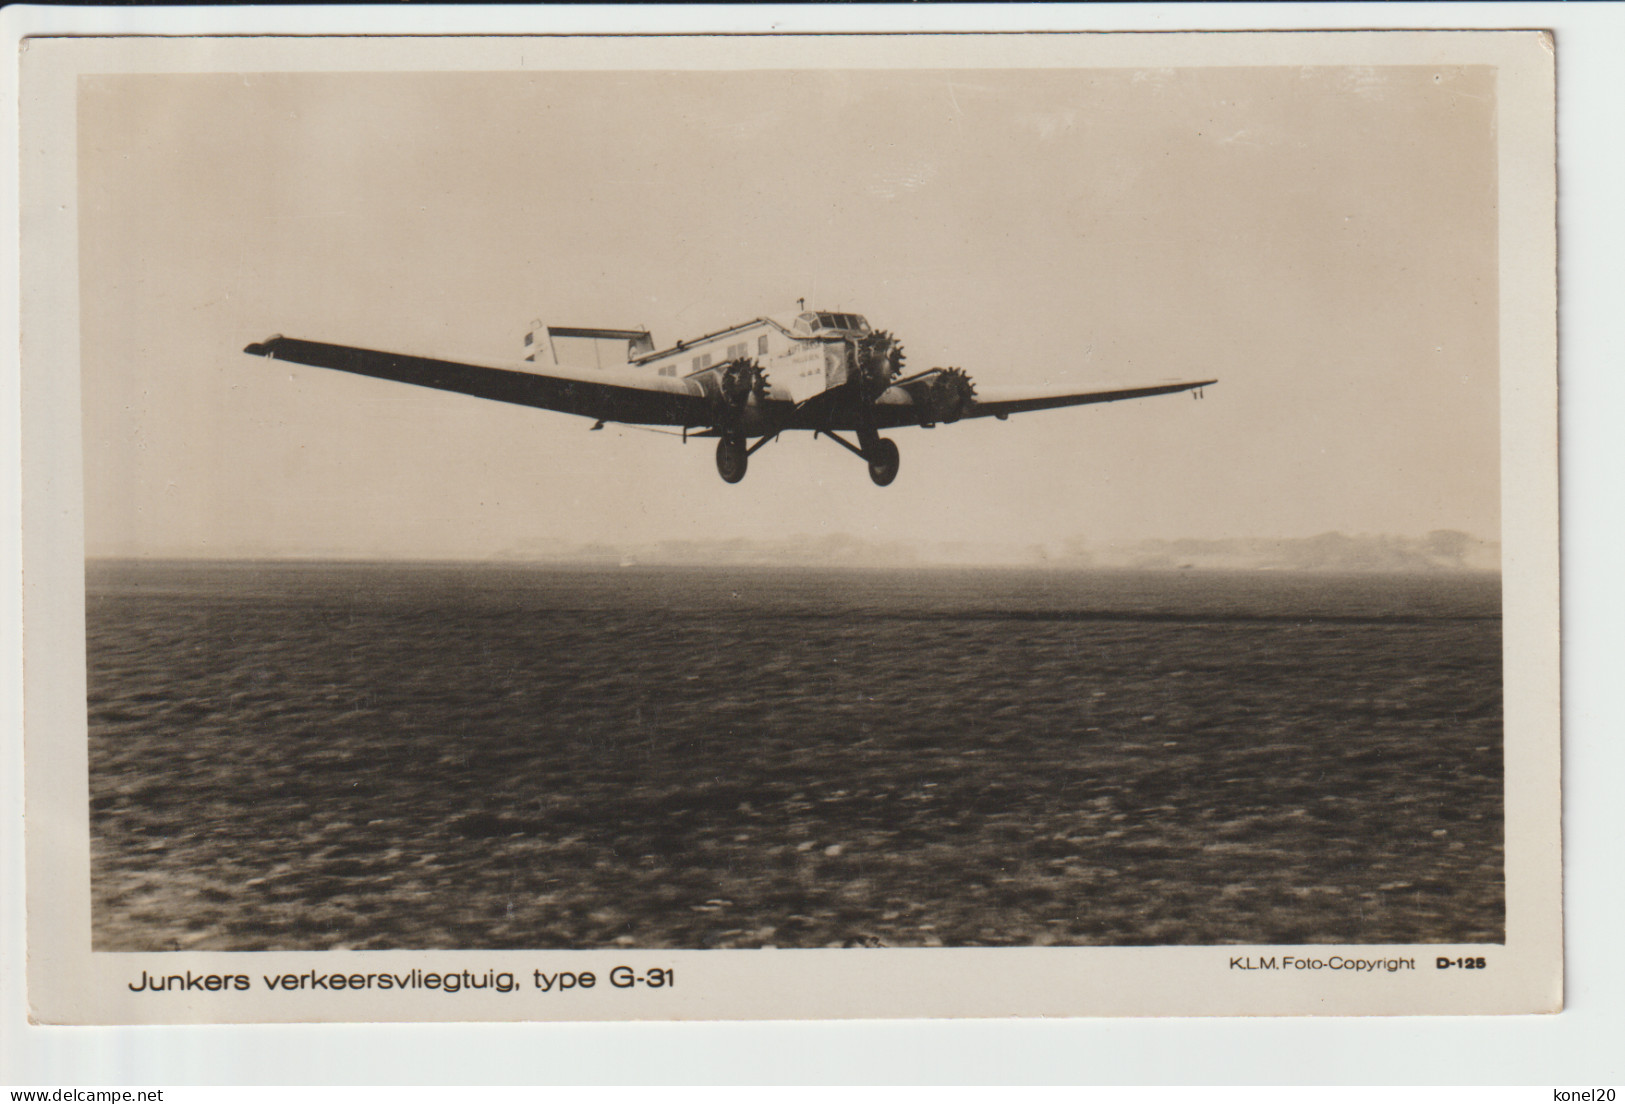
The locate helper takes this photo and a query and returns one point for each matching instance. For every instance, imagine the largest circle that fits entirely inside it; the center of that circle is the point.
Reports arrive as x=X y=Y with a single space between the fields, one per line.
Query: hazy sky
x=1323 y=241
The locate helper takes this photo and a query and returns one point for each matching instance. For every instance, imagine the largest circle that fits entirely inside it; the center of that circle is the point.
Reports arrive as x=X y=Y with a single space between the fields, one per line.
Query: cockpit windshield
x=815 y=321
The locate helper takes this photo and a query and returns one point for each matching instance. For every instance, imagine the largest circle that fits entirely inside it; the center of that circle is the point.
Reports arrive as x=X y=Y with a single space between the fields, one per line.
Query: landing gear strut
x=732 y=457
x=877 y=451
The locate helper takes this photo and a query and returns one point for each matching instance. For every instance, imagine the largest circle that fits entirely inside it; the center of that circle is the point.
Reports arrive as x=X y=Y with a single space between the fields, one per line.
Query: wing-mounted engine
x=941 y=395
x=735 y=391
x=731 y=388
x=742 y=380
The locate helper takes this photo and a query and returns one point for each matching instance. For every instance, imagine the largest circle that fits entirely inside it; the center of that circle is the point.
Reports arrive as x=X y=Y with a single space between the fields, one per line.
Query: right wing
x=644 y=399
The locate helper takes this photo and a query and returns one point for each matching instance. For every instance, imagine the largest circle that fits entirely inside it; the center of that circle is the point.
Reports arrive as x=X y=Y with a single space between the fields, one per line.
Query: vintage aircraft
x=826 y=371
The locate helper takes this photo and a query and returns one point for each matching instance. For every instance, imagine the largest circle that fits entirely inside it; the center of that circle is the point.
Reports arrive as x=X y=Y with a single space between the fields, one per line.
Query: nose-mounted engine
x=877 y=361
x=942 y=395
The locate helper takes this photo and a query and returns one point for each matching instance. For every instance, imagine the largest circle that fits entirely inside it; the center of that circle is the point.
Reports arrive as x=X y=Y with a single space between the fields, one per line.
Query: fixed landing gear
x=732 y=457
x=878 y=452
x=883 y=461
x=733 y=454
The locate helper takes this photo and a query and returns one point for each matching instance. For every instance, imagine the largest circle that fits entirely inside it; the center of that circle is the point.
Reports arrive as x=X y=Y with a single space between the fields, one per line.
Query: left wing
x=1003 y=407
x=921 y=399
x=643 y=399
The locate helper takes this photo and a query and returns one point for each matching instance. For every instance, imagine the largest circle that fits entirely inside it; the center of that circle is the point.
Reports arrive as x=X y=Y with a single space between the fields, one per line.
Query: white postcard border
x=68 y=984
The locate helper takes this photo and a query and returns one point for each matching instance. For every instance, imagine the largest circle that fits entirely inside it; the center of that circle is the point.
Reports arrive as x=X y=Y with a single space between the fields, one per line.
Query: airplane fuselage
x=803 y=365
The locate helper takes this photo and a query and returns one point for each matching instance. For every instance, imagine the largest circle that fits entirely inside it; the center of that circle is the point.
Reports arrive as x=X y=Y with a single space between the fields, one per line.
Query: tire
x=884 y=461
x=731 y=458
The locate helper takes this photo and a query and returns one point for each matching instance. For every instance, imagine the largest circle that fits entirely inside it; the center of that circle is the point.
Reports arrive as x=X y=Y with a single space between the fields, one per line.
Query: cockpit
x=815 y=322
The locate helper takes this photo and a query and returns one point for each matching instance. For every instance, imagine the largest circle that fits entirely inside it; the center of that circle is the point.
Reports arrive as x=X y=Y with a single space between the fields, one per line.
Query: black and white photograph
x=736 y=499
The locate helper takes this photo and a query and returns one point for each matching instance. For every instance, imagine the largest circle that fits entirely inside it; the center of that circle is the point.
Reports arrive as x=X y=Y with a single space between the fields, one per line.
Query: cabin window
x=530 y=339
x=840 y=321
x=761 y=345
x=531 y=357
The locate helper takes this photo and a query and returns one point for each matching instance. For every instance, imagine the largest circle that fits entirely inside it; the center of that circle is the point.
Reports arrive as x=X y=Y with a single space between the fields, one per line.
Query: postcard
x=670 y=527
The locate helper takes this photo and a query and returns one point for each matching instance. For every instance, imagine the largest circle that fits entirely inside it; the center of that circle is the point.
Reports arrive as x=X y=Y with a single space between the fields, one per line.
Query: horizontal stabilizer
x=607 y=335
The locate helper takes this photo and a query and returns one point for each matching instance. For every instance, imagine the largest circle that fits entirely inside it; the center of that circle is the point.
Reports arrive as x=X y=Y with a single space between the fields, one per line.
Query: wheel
x=731 y=458
x=883 y=462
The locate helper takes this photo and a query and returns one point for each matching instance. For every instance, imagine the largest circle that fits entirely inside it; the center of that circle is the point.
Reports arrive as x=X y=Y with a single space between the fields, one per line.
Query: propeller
x=951 y=395
x=740 y=380
x=879 y=362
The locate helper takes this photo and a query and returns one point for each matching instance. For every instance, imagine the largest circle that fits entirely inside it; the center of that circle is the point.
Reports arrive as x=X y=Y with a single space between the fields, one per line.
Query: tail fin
x=538 y=349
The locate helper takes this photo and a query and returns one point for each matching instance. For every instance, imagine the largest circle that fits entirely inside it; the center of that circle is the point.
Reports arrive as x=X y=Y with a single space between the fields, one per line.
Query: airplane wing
x=1003 y=407
x=902 y=403
x=641 y=400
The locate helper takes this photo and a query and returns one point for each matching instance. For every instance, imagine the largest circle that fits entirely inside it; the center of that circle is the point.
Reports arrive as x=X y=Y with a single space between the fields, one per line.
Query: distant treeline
x=1440 y=550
